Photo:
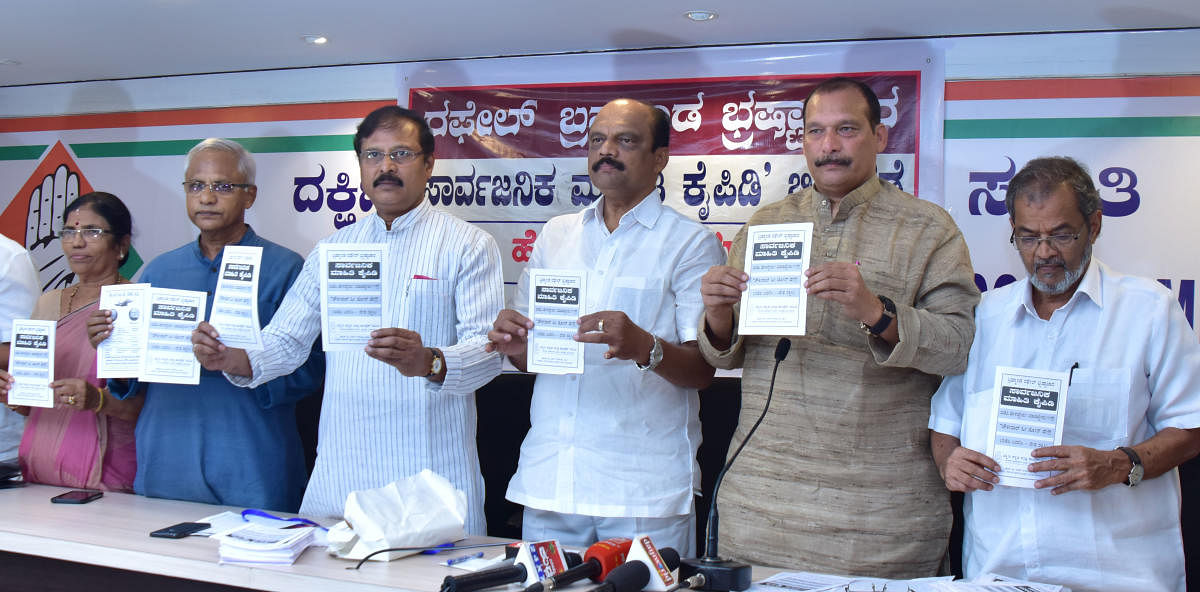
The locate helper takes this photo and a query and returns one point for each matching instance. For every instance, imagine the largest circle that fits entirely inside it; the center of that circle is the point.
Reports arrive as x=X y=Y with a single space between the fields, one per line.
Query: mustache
x=841 y=161
x=1051 y=261
x=387 y=177
x=614 y=163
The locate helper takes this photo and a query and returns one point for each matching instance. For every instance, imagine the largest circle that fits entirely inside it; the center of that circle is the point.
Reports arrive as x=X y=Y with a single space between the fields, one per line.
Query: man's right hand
x=721 y=288
x=509 y=334
x=966 y=470
x=216 y=356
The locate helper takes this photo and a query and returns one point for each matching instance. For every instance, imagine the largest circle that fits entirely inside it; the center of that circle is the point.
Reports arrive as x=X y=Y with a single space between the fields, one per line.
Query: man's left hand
x=841 y=282
x=1082 y=468
x=402 y=349
x=625 y=340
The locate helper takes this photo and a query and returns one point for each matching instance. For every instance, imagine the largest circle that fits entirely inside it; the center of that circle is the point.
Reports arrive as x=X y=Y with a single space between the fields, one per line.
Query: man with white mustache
x=1106 y=514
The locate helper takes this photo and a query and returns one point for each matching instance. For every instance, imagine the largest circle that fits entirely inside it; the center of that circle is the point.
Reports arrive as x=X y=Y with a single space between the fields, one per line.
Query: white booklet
x=775 y=302
x=174 y=314
x=353 y=296
x=120 y=355
x=151 y=338
x=235 y=302
x=1028 y=410
x=556 y=301
x=31 y=363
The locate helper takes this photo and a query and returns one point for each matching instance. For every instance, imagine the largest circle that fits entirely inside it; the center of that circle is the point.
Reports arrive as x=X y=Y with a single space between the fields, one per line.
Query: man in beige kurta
x=839 y=477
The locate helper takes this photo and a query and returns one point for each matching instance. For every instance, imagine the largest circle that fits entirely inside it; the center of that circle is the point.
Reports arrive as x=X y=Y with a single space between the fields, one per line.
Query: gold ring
x=600 y=326
x=71 y=399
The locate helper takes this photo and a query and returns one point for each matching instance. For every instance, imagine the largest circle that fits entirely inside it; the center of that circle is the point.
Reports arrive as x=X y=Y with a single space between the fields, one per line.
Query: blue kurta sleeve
x=285 y=266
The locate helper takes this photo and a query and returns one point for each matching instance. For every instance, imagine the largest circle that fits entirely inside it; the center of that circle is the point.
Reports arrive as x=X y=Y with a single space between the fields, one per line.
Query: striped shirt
x=377 y=425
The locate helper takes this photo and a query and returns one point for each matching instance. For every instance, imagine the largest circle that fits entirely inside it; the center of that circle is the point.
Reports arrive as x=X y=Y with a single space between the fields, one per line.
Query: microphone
x=508 y=574
x=634 y=575
x=726 y=575
x=600 y=559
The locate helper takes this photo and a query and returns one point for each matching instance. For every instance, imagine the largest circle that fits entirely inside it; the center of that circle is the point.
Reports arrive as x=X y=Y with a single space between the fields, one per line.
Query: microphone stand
x=725 y=575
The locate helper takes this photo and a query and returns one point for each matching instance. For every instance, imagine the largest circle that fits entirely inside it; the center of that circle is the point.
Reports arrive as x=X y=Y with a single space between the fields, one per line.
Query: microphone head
x=628 y=577
x=670 y=557
x=607 y=555
x=782 y=348
x=573 y=559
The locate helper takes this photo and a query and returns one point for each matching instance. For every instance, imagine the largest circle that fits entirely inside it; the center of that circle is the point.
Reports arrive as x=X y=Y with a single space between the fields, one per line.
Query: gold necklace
x=71 y=296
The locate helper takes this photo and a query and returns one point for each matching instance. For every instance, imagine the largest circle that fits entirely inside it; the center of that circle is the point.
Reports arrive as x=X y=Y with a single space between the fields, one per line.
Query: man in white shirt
x=612 y=452
x=406 y=401
x=1105 y=516
x=19 y=290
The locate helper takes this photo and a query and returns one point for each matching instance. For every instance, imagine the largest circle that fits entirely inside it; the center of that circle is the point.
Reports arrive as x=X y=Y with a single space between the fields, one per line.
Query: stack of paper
x=255 y=543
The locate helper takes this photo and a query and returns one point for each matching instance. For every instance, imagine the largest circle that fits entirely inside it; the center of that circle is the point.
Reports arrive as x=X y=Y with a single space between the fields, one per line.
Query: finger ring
x=71 y=400
x=600 y=326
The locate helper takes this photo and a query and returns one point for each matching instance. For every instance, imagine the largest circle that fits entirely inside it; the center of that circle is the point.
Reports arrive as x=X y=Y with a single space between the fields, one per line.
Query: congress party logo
x=55 y=183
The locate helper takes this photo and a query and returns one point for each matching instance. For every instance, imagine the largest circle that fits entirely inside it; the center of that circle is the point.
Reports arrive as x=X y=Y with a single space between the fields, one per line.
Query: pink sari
x=78 y=449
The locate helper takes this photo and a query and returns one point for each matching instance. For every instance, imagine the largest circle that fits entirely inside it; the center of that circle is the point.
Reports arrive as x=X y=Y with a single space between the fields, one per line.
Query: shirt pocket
x=640 y=298
x=429 y=310
x=1098 y=408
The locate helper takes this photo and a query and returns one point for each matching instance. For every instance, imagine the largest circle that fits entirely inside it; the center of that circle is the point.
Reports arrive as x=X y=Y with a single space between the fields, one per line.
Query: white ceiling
x=73 y=40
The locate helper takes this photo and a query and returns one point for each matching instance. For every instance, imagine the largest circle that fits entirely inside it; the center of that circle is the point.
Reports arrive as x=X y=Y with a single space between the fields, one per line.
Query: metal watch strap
x=656 y=356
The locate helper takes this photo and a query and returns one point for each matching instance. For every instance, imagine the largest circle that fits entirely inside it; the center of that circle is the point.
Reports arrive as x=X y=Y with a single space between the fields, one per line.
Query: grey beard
x=1069 y=278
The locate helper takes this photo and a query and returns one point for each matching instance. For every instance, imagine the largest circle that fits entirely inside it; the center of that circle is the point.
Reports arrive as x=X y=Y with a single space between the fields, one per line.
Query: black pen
x=1071 y=375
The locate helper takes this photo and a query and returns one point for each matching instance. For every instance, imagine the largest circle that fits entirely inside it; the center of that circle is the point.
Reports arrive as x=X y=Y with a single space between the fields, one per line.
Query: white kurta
x=377 y=425
x=617 y=441
x=1138 y=373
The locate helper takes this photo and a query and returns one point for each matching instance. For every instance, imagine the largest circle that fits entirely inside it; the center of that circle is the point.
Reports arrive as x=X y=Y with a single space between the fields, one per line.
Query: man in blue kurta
x=218 y=443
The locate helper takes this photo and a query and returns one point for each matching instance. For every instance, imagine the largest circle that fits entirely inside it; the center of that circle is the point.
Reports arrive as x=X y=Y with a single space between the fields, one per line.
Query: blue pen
x=458 y=560
x=438 y=549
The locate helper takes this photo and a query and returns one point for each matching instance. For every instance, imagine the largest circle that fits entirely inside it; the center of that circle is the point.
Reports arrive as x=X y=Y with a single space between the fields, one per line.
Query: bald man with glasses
x=215 y=442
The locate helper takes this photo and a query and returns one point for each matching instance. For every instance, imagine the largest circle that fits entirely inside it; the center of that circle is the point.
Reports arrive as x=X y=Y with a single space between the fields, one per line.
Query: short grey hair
x=1042 y=176
x=245 y=162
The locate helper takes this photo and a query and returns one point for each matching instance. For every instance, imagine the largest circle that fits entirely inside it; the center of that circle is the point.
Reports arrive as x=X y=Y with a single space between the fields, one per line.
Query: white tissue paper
x=422 y=510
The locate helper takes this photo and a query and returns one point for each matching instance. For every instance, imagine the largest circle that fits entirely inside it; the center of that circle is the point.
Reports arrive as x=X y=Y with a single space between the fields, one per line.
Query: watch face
x=1136 y=474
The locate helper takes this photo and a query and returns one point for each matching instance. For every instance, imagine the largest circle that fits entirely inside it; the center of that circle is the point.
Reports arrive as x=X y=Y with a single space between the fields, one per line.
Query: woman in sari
x=86 y=439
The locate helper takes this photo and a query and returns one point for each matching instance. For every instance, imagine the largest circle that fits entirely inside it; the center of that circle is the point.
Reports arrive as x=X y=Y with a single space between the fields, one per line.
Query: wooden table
x=113 y=532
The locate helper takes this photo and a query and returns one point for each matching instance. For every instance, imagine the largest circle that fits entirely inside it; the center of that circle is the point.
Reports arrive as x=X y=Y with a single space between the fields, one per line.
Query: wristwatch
x=435 y=367
x=1136 y=472
x=656 y=355
x=889 y=313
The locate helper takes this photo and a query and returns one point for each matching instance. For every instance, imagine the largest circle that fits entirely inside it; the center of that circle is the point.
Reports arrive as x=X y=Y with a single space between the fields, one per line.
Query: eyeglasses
x=1029 y=243
x=401 y=156
x=219 y=187
x=89 y=234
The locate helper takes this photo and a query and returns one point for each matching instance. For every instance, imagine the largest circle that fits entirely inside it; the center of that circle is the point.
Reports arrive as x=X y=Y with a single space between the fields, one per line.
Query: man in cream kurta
x=839 y=478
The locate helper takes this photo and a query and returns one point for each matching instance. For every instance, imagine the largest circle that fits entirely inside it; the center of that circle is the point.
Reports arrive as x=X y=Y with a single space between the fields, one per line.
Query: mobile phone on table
x=181 y=530
x=77 y=496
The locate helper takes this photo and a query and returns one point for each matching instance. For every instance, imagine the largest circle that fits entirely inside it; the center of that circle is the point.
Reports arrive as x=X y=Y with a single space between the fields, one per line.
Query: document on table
x=353 y=297
x=556 y=298
x=120 y=355
x=1028 y=409
x=174 y=314
x=31 y=363
x=235 y=303
x=777 y=256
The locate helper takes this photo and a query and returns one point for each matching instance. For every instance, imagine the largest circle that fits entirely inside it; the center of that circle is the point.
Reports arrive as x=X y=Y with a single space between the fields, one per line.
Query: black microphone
x=726 y=575
x=635 y=575
x=627 y=577
x=497 y=576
